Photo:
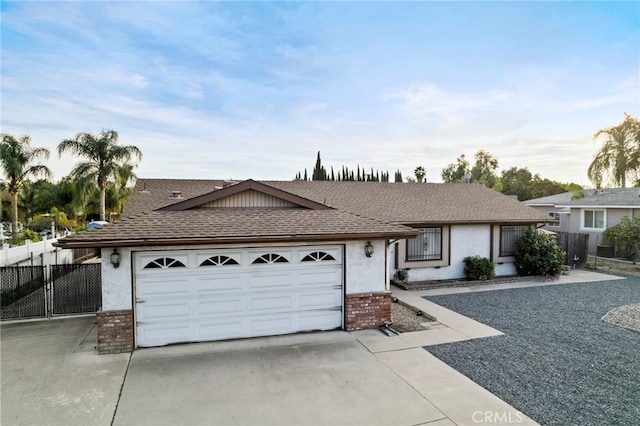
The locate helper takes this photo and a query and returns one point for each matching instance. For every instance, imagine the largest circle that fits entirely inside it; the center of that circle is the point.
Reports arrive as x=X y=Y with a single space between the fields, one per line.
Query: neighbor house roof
x=550 y=200
x=608 y=197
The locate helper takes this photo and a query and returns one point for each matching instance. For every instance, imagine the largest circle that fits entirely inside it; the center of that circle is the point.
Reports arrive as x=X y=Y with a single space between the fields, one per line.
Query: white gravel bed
x=627 y=316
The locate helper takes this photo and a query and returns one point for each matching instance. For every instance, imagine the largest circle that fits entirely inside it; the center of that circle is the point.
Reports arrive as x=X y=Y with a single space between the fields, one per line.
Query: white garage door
x=190 y=296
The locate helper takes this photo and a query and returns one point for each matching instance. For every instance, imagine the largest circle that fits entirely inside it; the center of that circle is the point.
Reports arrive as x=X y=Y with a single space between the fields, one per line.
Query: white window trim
x=589 y=229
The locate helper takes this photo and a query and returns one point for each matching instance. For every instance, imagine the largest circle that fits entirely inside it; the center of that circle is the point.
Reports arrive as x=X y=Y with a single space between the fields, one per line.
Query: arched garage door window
x=164 y=263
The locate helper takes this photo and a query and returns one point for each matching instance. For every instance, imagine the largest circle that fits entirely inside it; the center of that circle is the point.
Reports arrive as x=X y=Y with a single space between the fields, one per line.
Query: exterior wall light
x=114 y=258
x=368 y=249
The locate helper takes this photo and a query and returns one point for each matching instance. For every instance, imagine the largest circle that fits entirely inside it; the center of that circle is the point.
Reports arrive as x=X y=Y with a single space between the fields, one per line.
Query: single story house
x=592 y=214
x=200 y=260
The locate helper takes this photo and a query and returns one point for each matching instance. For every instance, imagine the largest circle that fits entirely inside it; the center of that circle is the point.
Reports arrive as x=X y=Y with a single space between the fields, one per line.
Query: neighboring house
x=558 y=216
x=199 y=260
x=592 y=214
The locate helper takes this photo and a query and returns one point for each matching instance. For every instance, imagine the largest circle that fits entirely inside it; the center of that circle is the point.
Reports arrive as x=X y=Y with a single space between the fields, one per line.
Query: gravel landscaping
x=560 y=362
x=405 y=318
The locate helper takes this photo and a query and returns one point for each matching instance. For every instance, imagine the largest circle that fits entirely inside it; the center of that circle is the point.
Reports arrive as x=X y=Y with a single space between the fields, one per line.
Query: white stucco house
x=200 y=260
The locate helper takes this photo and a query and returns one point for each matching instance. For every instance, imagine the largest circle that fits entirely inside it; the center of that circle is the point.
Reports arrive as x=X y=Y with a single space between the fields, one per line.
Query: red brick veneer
x=115 y=331
x=367 y=310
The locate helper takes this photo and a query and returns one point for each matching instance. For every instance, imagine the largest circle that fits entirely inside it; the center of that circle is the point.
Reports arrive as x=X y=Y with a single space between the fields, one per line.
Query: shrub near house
x=625 y=236
x=478 y=268
x=538 y=254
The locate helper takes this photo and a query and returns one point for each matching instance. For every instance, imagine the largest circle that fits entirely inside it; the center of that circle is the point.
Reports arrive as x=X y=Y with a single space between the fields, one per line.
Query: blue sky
x=254 y=89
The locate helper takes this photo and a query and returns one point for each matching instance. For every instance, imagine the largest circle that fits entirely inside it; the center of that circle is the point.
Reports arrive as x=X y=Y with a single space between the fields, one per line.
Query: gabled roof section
x=226 y=226
x=247 y=186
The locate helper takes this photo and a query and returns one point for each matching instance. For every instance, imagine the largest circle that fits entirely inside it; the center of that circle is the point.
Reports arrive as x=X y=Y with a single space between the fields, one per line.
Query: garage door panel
x=320 y=320
x=328 y=299
x=272 y=324
x=227 y=305
x=321 y=276
x=149 y=335
x=271 y=281
x=218 y=301
x=270 y=303
x=216 y=283
x=164 y=286
x=163 y=311
x=217 y=330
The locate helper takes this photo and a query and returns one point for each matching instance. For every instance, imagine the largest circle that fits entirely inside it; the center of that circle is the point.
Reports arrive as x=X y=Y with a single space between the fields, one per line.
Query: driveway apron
x=316 y=378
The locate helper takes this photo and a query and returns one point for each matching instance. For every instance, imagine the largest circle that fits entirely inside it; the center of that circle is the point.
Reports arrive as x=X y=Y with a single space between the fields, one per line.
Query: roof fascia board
x=232 y=240
x=471 y=222
x=600 y=206
x=240 y=187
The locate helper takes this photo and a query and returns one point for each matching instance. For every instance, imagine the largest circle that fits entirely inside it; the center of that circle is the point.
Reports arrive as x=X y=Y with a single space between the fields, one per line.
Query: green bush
x=31 y=235
x=28 y=234
x=625 y=236
x=539 y=254
x=478 y=268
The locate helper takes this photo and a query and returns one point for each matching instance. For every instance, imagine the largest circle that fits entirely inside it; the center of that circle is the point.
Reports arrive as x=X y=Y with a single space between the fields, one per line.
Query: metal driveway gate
x=23 y=292
x=39 y=291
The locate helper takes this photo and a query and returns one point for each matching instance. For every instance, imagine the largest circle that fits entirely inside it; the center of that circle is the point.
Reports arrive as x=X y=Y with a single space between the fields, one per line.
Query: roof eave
x=233 y=240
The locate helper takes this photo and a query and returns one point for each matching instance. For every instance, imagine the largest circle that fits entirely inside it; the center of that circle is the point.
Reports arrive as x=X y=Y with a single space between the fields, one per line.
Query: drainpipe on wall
x=387 y=262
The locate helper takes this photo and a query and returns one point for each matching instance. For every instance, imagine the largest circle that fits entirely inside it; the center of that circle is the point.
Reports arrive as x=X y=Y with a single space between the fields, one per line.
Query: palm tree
x=19 y=162
x=125 y=176
x=619 y=155
x=104 y=158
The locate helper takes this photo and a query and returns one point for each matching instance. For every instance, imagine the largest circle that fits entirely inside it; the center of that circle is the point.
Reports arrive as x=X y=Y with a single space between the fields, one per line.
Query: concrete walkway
x=459 y=398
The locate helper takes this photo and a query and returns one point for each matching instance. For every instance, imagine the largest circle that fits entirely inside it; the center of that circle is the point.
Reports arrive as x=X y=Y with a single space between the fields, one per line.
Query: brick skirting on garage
x=367 y=310
x=115 y=331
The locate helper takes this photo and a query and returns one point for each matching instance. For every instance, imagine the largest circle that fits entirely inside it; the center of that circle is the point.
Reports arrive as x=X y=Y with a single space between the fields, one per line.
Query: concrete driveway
x=52 y=375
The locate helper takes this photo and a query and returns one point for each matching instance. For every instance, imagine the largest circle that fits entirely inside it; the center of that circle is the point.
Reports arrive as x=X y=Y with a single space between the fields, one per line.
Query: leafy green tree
x=484 y=169
x=104 y=158
x=19 y=162
x=619 y=155
x=517 y=181
x=456 y=172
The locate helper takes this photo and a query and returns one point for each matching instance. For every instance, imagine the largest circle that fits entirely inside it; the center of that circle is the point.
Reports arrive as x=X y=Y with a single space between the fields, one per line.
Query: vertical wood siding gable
x=251 y=198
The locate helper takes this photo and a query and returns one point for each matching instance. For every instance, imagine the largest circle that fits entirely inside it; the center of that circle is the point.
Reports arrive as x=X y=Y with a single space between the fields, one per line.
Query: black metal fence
x=38 y=291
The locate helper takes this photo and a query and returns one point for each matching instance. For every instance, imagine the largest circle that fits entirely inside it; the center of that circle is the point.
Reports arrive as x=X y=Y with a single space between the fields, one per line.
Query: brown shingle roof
x=415 y=203
x=151 y=194
x=361 y=210
x=202 y=226
x=410 y=203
